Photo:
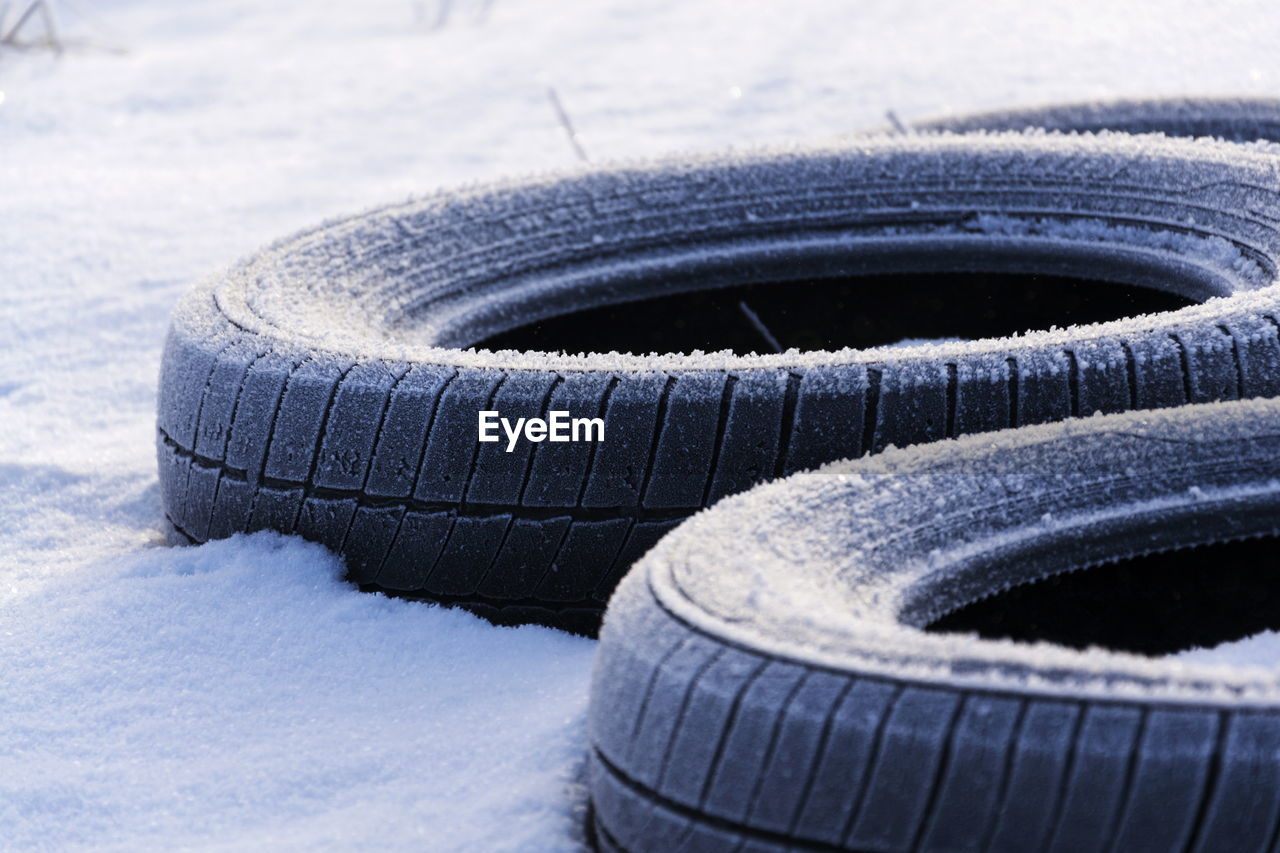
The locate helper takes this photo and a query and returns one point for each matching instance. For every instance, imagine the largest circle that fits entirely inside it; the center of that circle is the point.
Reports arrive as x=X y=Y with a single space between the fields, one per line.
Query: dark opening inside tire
x=327 y=386
x=1153 y=604
x=765 y=682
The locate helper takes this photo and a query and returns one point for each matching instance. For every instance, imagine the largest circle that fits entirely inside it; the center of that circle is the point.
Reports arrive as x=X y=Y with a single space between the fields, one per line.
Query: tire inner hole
x=1156 y=604
x=825 y=314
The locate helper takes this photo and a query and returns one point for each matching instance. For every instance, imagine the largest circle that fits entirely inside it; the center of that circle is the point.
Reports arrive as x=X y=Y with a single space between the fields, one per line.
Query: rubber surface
x=325 y=387
x=764 y=681
x=1234 y=119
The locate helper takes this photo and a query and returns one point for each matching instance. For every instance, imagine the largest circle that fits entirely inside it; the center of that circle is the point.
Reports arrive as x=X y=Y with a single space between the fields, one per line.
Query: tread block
x=801 y=728
x=589 y=551
x=1172 y=770
x=414 y=550
x=1040 y=760
x=703 y=722
x=1102 y=376
x=982 y=401
x=1098 y=779
x=912 y=407
x=349 y=435
x=1245 y=801
x=220 y=398
x=275 y=509
x=452 y=446
x=499 y=475
x=372 y=531
x=642 y=536
x=523 y=559
x=1258 y=339
x=912 y=744
x=660 y=723
x=405 y=427
x=752 y=741
x=326 y=520
x=467 y=556
x=617 y=473
x=966 y=798
x=174 y=469
x=559 y=469
x=231 y=508
x=197 y=507
x=255 y=413
x=1212 y=366
x=686 y=442
x=185 y=370
x=1157 y=369
x=749 y=448
x=304 y=409
x=830 y=405
x=1044 y=386
x=840 y=778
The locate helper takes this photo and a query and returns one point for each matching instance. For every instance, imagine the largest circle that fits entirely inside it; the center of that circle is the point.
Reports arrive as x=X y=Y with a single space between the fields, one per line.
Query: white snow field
x=239 y=695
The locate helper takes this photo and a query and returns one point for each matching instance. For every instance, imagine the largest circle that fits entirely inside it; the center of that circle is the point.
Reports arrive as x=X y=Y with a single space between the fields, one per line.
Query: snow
x=239 y=695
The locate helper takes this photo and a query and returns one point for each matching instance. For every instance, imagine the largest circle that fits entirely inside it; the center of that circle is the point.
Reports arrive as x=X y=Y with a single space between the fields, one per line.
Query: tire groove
x=231 y=419
x=657 y=800
x=659 y=426
x=1012 y=364
x=475 y=454
x=824 y=738
x=497 y=553
x=1073 y=383
x=952 y=395
x=1064 y=785
x=1006 y=776
x=475 y=510
x=195 y=430
x=377 y=436
x=865 y=777
x=1124 y=800
x=870 y=410
x=256 y=483
x=314 y=463
x=726 y=730
x=775 y=733
x=533 y=453
x=722 y=426
x=790 y=398
x=1235 y=360
x=652 y=685
x=428 y=426
x=1212 y=778
x=555 y=555
x=690 y=688
x=603 y=410
x=1185 y=367
x=1131 y=373
x=925 y=822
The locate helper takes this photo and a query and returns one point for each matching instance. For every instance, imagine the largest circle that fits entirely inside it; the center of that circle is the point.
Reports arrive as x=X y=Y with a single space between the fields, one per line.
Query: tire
x=763 y=681
x=1232 y=119
x=325 y=386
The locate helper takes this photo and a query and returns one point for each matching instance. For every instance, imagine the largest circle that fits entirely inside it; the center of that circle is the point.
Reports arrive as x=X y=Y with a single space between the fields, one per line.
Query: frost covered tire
x=763 y=681
x=325 y=385
x=1233 y=119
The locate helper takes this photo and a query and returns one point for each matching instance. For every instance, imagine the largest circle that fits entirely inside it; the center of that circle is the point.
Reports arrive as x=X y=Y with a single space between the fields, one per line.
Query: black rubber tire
x=321 y=387
x=763 y=681
x=1232 y=119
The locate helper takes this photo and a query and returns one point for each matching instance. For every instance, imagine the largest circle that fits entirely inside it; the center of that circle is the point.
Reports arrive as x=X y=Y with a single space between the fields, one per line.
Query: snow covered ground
x=239 y=694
